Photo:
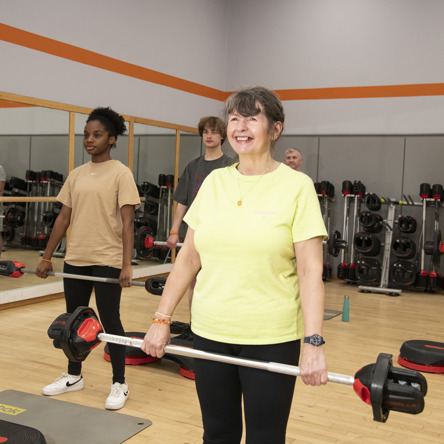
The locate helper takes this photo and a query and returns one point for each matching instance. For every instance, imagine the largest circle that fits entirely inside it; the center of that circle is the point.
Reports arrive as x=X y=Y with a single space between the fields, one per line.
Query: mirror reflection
x=154 y=168
x=34 y=154
x=34 y=150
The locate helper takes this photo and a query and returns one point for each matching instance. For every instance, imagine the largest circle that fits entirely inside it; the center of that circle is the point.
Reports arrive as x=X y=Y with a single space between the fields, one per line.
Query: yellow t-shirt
x=247 y=290
x=95 y=192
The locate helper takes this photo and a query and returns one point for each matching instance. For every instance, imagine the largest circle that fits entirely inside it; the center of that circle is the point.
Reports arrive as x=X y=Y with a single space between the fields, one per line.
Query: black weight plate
x=367 y=244
x=403 y=247
x=403 y=273
x=368 y=270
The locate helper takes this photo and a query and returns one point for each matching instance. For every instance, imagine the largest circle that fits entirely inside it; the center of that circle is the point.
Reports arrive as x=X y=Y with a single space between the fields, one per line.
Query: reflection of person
x=293 y=158
x=99 y=200
x=213 y=133
x=2 y=188
x=255 y=239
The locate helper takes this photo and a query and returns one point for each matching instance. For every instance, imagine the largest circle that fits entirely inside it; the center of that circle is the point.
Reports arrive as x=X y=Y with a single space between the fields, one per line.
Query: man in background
x=293 y=158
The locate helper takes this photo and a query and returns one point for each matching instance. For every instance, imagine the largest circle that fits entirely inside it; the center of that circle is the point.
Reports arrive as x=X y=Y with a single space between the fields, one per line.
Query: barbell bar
x=380 y=385
x=15 y=269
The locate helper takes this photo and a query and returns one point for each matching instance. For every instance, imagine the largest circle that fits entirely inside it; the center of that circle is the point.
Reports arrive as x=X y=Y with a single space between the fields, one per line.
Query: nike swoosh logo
x=126 y=393
x=68 y=384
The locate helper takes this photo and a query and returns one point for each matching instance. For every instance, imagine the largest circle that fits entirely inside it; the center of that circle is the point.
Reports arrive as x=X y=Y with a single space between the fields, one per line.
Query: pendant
x=239 y=203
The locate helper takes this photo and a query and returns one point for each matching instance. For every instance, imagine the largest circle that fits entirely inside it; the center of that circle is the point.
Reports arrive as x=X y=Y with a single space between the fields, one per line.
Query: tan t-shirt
x=95 y=192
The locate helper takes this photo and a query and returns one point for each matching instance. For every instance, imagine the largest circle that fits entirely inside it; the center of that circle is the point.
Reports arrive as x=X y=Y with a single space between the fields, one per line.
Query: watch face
x=316 y=340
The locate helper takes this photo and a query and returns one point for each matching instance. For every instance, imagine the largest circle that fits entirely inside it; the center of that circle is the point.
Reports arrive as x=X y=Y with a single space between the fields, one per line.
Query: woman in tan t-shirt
x=99 y=201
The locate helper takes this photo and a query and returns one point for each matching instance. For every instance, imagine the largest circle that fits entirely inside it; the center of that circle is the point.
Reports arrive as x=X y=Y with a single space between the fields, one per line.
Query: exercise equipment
x=12 y=433
x=371 y=222
x=403 y=247
x=371 y=269
x=435 y=248
x=326 y=191
x=14 y=217
x=403 y=273
x=351 y=191
x=372 y=202
x=343 y=270
x=425 y=194
x=367 y=244
x=335 y=243
x=368 y=270
x=424 y=356
x=153 y=285
x=146 y=245
x=407 y=224
x=380 y=385
x=164 y=216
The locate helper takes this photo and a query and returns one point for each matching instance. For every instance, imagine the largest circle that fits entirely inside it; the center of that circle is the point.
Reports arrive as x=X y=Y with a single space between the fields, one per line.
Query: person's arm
x=185 y=269
x=127 y=214
x=61 y=224
x=178 y=218
x=309 y=267
x=2 y=187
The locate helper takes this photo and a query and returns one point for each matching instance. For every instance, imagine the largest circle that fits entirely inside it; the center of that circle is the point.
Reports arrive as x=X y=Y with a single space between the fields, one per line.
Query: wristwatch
x=316 y=340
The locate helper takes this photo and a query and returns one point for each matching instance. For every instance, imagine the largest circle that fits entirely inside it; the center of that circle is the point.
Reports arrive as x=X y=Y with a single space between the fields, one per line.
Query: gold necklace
x=242 y=197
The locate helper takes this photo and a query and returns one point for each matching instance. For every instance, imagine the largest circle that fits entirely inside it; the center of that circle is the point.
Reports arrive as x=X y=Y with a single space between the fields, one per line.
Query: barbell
x=380 y=385
x=153 y=285
x=335 y=243
x=144 y=243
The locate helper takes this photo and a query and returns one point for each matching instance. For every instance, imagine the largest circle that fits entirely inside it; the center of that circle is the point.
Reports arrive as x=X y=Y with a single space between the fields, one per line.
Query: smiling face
x=251 y=135
x=97 y=141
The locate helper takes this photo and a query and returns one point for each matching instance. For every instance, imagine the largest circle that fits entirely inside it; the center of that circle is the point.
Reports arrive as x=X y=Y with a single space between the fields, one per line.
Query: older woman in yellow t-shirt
x=255 y=240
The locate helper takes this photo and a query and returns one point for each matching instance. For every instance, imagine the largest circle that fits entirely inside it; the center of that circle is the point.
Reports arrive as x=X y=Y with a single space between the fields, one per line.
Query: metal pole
x=274 y=367
x=84 y=278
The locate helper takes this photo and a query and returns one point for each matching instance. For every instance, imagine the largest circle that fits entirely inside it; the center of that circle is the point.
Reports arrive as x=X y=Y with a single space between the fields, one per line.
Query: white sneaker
x=64 y=383
x=118 y=396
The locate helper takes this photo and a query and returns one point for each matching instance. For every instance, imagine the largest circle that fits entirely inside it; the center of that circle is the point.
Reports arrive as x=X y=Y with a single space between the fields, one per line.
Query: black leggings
x=78 y=293
x=266 y=396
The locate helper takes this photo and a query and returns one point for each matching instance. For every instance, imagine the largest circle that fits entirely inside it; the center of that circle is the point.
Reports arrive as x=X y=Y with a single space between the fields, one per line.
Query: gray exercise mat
x=329 y=314
x=63 y=422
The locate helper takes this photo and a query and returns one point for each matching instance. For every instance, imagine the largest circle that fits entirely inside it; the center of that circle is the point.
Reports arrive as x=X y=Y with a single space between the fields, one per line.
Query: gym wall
x=342 y=66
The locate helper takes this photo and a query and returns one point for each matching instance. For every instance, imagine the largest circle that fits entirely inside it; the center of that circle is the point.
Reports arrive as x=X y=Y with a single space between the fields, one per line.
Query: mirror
x=154 y=168
x=37 y=138
x=32 y=140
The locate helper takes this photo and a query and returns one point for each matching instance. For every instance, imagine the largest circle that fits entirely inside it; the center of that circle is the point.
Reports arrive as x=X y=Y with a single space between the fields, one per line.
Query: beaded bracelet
x=46 y=260
x=161 y=321
x=159 y=313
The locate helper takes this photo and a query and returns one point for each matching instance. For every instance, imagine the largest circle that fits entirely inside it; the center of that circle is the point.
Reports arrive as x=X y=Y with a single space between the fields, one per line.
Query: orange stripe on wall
x=363 y=92
x=8 y=104
x=80 y=55
x=39 y=43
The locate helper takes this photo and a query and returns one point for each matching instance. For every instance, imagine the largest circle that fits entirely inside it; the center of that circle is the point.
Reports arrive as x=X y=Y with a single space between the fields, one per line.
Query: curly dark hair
x=114 y=123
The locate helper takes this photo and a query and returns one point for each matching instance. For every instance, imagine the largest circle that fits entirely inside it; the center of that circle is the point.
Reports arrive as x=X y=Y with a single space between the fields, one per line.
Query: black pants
x=266 y=396
x=78 y=293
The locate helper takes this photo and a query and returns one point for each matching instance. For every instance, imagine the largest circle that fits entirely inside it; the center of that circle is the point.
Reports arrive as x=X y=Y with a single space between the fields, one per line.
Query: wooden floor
x=330 y=414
